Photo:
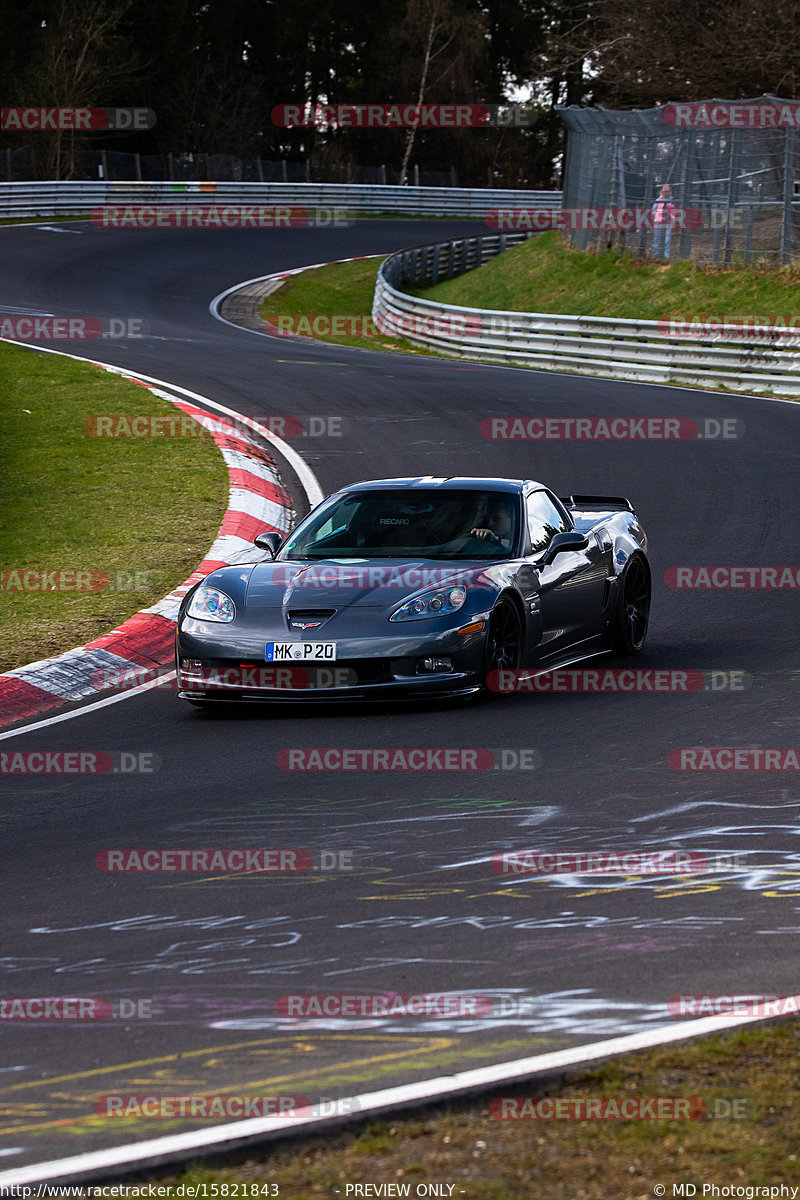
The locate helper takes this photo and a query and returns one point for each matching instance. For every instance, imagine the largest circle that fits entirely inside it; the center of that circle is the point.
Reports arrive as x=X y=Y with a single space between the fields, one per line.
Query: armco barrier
x=50 y=199
x=626 y=349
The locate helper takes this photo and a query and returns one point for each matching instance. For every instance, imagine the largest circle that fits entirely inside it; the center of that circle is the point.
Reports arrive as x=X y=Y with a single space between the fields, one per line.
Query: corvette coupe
x=409 y=588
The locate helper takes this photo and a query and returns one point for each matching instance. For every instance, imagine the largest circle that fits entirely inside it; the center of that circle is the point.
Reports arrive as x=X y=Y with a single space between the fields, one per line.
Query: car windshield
x=409 y=523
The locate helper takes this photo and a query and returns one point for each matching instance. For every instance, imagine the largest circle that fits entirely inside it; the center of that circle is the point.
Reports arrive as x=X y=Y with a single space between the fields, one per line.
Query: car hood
x=339 y=583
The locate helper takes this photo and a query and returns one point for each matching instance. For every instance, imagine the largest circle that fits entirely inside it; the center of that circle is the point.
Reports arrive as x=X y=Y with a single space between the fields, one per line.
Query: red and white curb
x=257 y=501
x=272 y=283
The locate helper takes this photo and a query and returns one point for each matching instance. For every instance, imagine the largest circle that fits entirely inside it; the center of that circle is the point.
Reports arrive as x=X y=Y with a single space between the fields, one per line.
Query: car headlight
x=209 y=604
x=431 y=604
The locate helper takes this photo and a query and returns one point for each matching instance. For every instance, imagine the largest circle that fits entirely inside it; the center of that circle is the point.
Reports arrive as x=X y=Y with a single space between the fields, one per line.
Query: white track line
x=139 y=1154
x=87 y=708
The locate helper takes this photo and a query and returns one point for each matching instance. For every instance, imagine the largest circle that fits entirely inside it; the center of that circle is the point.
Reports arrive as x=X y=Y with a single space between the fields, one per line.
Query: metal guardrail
x=627 y=349
x=50 y=199
x=443 y=260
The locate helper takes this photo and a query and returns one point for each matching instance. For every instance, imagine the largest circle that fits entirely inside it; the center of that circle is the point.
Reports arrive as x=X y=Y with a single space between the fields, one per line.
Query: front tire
x=632 y=614
x=503 y=650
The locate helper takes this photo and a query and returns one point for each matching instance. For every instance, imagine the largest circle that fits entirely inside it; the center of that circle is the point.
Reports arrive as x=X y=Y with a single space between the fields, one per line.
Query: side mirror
x=268 y=541
x=572 y=540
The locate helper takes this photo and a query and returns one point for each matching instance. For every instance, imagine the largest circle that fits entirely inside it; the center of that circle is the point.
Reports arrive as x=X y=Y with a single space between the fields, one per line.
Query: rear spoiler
x=578 y=501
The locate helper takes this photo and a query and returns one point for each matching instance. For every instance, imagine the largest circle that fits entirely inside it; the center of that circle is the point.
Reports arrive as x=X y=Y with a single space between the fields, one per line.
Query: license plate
x=301 y=651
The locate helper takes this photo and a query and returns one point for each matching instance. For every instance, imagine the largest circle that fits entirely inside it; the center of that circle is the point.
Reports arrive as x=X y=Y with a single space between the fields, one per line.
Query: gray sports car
x=409 y=588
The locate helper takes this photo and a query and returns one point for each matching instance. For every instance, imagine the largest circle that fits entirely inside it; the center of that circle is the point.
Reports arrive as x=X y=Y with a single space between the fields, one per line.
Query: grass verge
x=342 y=290
x=40 y=220
x=751 y=1072
x=140 y=510
x=544 y=275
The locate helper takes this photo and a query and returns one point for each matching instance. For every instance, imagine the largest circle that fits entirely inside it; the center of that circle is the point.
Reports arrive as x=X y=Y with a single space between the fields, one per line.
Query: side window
x=544 y=520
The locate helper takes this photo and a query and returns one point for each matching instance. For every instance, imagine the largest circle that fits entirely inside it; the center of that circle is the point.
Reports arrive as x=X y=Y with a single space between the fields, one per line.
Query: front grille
x=354 y=671
x=367 y=670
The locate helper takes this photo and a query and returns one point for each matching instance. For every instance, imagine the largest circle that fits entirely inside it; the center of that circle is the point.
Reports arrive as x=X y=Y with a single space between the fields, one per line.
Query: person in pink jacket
x=663 y=216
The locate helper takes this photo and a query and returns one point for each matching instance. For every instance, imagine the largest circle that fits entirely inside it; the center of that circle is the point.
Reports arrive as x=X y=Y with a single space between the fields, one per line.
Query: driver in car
x=497 y=526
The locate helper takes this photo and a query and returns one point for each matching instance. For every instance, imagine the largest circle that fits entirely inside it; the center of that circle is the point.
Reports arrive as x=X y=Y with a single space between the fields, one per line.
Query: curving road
x=573 y=959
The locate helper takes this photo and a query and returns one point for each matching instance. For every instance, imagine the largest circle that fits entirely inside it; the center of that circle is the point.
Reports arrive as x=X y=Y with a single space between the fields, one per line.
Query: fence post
x=788 y=194
x=748 y=242
x=733 y=192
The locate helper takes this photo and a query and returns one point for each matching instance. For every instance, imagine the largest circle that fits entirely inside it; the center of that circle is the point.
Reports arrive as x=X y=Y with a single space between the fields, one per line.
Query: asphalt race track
x=566 y=960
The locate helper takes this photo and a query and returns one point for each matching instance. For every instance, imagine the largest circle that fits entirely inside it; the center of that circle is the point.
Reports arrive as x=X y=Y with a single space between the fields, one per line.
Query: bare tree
x=445 y=44
x=78 y=61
